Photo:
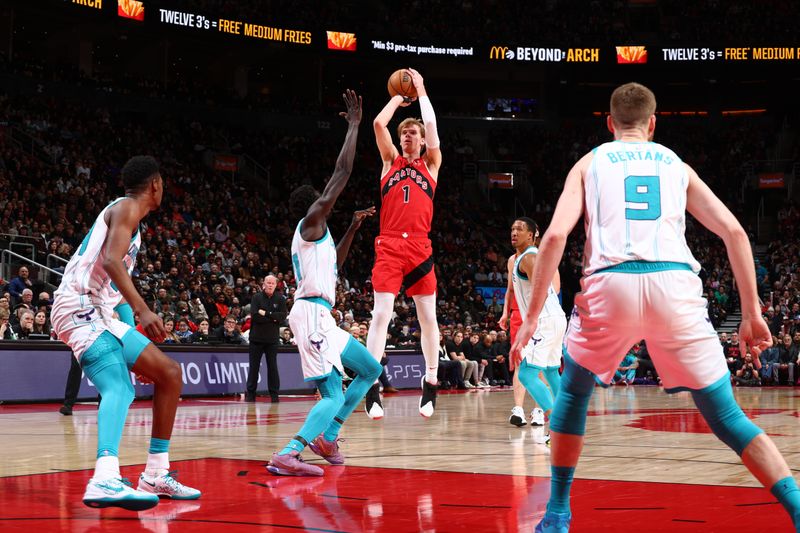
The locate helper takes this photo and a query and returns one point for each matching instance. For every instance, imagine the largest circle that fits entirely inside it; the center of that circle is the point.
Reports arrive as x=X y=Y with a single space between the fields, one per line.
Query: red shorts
x=516 y=322
x=403 y=262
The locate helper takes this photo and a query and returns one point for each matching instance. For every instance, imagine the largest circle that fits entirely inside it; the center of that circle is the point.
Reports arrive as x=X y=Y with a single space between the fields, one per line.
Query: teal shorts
x=107 y=350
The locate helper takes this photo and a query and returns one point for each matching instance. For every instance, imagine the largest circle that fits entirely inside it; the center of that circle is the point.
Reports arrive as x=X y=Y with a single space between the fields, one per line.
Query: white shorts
x=78 y=322
x=544 y=348
x=319 y=341
x=617 y=309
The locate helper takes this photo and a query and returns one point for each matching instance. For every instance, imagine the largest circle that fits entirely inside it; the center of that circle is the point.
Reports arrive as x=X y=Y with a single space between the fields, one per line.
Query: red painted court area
x=240 y=495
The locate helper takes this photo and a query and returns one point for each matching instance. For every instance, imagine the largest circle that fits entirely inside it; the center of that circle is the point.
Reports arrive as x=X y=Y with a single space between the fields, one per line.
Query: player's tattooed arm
x=314 y=223
x=343 y=248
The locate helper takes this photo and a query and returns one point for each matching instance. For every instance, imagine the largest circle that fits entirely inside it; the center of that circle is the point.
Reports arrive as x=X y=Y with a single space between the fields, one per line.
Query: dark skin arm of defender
x=314 y=224
x=343 y=247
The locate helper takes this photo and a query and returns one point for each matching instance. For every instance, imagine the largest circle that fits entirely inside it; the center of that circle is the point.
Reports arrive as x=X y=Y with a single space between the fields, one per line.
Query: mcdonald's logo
x=501 y=52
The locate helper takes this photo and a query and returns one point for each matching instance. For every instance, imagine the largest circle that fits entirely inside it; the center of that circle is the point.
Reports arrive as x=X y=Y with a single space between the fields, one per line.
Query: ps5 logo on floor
x=407 y=371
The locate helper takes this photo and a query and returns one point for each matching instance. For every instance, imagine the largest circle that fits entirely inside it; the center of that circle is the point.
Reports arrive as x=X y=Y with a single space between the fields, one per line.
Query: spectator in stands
x=201 y=335
x=41 y=323
x=747 y=376
x=21 y=330
x=197 y=310
x=20 y=283
x=500 y=349
x=228 y=333
x=184 y=333
x=171 y=337
x=450 y=373
x=44 y=302
x=733 y=353
x=286 y=338
x=769 y=358
x=4 y=325
x=455 y=349
x=5 y=304
x=626 y=372
x=25 y=301
x=482 y=354
x=787 y=355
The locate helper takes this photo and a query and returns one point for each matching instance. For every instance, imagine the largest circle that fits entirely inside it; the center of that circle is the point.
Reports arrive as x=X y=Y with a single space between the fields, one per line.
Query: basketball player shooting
x=403 y=253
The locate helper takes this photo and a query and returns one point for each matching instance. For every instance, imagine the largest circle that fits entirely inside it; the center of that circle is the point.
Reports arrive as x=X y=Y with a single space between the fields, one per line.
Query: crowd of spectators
x=206 y=251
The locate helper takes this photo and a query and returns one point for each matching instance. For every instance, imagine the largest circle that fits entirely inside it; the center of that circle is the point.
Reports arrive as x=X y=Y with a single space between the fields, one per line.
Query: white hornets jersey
x=635 y=206
x=315 y=266
x=84 y=275
x=523 y=288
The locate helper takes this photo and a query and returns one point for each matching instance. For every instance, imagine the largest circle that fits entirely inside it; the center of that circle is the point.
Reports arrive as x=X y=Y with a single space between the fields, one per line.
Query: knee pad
x=572 y=401
x=724 y=416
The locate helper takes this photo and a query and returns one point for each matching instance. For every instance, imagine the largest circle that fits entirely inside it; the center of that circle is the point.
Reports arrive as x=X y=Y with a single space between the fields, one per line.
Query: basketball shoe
x=373 y=404
x=537 y=417
x=117 y=492
x=291 y=464
x=167 y=486
x=427 y=403
x=517 y=417
x=328 y=450
x=554 y=523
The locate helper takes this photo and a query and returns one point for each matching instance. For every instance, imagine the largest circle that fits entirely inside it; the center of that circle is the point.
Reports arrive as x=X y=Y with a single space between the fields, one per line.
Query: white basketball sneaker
x=117 y=492
x=517 y=417
x=537 y=417
x=167 y=486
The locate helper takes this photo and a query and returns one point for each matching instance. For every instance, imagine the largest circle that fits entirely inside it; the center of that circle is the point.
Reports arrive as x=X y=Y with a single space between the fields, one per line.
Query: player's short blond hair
x=409 y=121
x=632 y=104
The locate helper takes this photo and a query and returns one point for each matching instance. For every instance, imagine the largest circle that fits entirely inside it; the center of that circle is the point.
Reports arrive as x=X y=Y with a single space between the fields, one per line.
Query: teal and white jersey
x=523 y=288
x=84 y=275
x=315 y=266
x=635 y=206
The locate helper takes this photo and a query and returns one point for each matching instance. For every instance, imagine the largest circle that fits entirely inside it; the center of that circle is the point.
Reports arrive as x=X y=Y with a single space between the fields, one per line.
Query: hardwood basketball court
x=650 y=464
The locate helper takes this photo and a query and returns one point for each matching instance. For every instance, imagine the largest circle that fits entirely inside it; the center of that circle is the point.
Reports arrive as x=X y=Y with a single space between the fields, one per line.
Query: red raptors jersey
x=407 y=198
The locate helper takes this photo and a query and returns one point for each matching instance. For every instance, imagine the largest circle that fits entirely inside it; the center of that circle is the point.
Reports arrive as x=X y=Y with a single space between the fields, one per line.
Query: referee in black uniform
x=267 y=313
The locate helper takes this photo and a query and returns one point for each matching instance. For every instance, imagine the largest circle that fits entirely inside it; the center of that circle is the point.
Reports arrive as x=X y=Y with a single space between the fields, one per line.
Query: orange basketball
x=400 y=83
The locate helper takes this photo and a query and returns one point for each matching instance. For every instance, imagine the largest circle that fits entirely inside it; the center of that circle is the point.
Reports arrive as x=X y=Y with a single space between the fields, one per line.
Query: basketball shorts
x=666 y=308
x=406 y=262
x=78 y=324
x=319 y=341
x=544 y=348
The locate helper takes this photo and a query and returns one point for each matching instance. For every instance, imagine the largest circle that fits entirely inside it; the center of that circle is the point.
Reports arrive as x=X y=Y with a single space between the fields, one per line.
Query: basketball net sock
x=106 y=467
x=788 y=494
x=560 y=485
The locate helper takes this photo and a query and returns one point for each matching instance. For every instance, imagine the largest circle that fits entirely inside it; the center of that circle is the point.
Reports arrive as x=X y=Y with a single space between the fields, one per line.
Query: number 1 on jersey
x=406 y=193
x=643 y=190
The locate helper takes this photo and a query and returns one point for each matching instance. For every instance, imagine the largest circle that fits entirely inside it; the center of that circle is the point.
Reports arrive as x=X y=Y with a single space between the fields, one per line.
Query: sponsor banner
x=130 y=9
x=544 y=55
x=339 y=40
x=94 y=4
x=490 y=292
x=422 y=50
x=771 y=180
x=631 y=55
x=501 y=180
x=226 y=163
x=40 y=374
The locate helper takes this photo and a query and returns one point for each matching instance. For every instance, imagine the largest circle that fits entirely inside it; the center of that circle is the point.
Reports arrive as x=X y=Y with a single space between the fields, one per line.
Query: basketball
x=400 y=83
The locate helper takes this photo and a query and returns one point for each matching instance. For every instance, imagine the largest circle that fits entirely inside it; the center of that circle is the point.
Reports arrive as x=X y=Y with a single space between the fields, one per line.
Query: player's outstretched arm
x=704 y=205
x=568 y=211
x=433 y=150
x=314 y=223
x=343 y=248
x=383 y=138
x=123 y=221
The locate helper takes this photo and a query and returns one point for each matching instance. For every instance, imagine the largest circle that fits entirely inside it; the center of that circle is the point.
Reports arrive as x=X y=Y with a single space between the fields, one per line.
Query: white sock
x=157 y=464
x=107 y=467
x=430 y=376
